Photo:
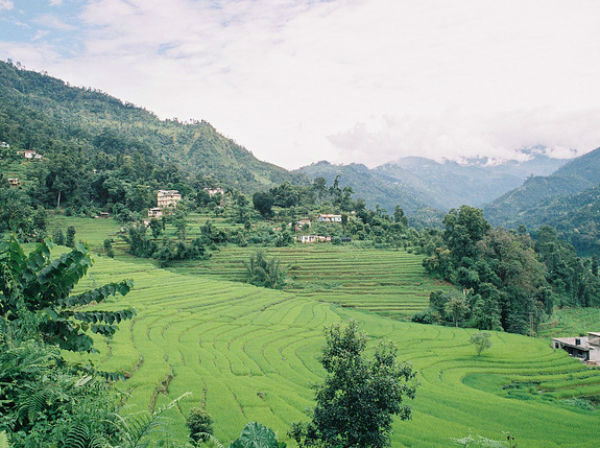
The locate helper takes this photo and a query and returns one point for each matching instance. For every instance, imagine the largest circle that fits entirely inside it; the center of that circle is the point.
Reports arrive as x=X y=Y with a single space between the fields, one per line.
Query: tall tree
x=357 y=402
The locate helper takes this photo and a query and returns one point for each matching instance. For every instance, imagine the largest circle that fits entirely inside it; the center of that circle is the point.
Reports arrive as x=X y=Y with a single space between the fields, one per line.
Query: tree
x=456 y=308
x=43 y=286
x=199 y=423
x=256 y=435
x=360 y=396
x=59 y=237
x=481 y=341
x=70 y=242
x=263 y=202
x=155 y=227
x=265 y=272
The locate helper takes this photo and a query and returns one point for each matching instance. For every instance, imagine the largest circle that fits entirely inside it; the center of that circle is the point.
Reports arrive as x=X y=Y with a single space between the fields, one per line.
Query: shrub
x=199 y=422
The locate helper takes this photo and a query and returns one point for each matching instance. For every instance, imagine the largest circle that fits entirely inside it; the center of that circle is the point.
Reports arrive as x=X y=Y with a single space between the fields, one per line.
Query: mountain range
x=416 y=183
x=43 y=113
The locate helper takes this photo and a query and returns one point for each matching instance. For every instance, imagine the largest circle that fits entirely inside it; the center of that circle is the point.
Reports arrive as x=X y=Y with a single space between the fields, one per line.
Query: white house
x=586 y=348
x=4 y=145
x=167 y=198
x=330 y=218
x=30 y=154
x=155 y=213
x=215 y=191
x=312 y=238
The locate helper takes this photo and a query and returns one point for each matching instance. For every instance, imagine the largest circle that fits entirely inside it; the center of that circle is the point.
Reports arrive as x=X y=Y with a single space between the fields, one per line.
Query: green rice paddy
x=390 y=282
x=250 y=354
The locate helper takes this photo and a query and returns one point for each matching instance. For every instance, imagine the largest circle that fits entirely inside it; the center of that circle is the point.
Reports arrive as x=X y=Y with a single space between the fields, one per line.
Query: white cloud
x=54 y=22
x=6 y=5
x=297 y=81
x=56 y=2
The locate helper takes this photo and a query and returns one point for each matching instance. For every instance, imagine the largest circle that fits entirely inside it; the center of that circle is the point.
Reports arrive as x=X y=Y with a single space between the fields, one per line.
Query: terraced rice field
x=250 y=354
x=389 y=282
x=571 y=322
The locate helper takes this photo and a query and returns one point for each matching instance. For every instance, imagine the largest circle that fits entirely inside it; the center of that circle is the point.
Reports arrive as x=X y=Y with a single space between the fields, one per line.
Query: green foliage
x=45 y=403
x=256 y=435
x=70 y=241
x=263 y=203
x=199 y=423
x=36 y=283
x=265 y=272
x=360 y=396
x=58 y=237
x=481 y=341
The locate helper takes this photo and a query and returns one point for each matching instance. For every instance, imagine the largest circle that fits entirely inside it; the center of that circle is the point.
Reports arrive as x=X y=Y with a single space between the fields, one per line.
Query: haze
x=347 y=81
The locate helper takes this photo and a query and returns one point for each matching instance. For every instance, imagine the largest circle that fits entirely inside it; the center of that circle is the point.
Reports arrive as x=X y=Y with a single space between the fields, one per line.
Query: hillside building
x=215 y=191
x=167 y=198
x=4 y=145
x=103 y=215
x=13 y=181
x=300 y=224
x=30 y=154
x=586 y=348
x=330 y=218
x=312 y=238
x=155 y=213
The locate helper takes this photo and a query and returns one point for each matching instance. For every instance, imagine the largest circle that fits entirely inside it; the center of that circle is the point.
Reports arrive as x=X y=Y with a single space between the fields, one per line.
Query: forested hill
x=45 y=114
x=414 y=182
x=579 y=174
x=374 y=189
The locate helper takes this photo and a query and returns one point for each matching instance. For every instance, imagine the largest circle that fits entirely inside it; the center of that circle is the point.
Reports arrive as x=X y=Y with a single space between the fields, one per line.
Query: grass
x=390 y=282
x=251 y=354
x=571 y=322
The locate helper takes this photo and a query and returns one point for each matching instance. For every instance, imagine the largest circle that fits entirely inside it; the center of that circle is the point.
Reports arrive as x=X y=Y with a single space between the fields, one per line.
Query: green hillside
x=577 y=175
x=452 y=184
x=45 y=114
x=390 y=282
x=249 y=354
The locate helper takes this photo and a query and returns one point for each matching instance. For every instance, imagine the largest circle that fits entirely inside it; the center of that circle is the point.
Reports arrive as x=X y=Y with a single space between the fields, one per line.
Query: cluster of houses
x=586 y=348
x=165 y=199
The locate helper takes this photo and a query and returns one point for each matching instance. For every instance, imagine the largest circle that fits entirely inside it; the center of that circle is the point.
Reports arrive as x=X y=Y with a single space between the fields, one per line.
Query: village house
x=300 y=224
x=330 y=218
x=30 y=154
x=103 y=215
x=312 y=238
x=4 y=145
x=13 y=181
x=586 y=348
x=155 y=213
x=215 y=191
x=167 y=198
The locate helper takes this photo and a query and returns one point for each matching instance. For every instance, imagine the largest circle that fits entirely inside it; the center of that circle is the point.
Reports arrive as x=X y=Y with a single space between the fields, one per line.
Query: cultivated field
x=390 y=282
x=571 y=322
x=250 y=354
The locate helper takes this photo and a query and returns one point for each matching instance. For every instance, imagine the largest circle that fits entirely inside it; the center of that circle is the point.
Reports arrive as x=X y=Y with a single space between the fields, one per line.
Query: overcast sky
x=298 y=81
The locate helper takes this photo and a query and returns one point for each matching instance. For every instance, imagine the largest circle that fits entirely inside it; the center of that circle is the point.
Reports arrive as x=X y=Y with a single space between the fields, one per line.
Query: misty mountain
x=452 y=184
x=519 y=205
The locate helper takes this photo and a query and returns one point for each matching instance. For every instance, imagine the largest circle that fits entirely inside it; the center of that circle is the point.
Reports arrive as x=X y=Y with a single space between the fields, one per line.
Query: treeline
x=509 y=280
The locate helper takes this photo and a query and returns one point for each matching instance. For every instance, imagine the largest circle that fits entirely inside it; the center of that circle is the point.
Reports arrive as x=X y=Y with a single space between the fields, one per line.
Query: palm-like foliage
x=265 y=272
x=41 y=285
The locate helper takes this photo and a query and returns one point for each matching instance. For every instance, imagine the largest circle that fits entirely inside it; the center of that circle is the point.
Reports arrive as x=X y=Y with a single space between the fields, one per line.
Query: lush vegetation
x=509 y=281
x=566 y=200
x=251 y=354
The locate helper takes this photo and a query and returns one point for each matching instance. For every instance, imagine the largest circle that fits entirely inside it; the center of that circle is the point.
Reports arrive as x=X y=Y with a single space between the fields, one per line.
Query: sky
x=367 y=81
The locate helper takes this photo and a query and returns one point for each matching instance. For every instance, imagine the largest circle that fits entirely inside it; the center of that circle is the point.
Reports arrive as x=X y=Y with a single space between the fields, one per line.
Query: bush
x=265 y=272
x=199 y=422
